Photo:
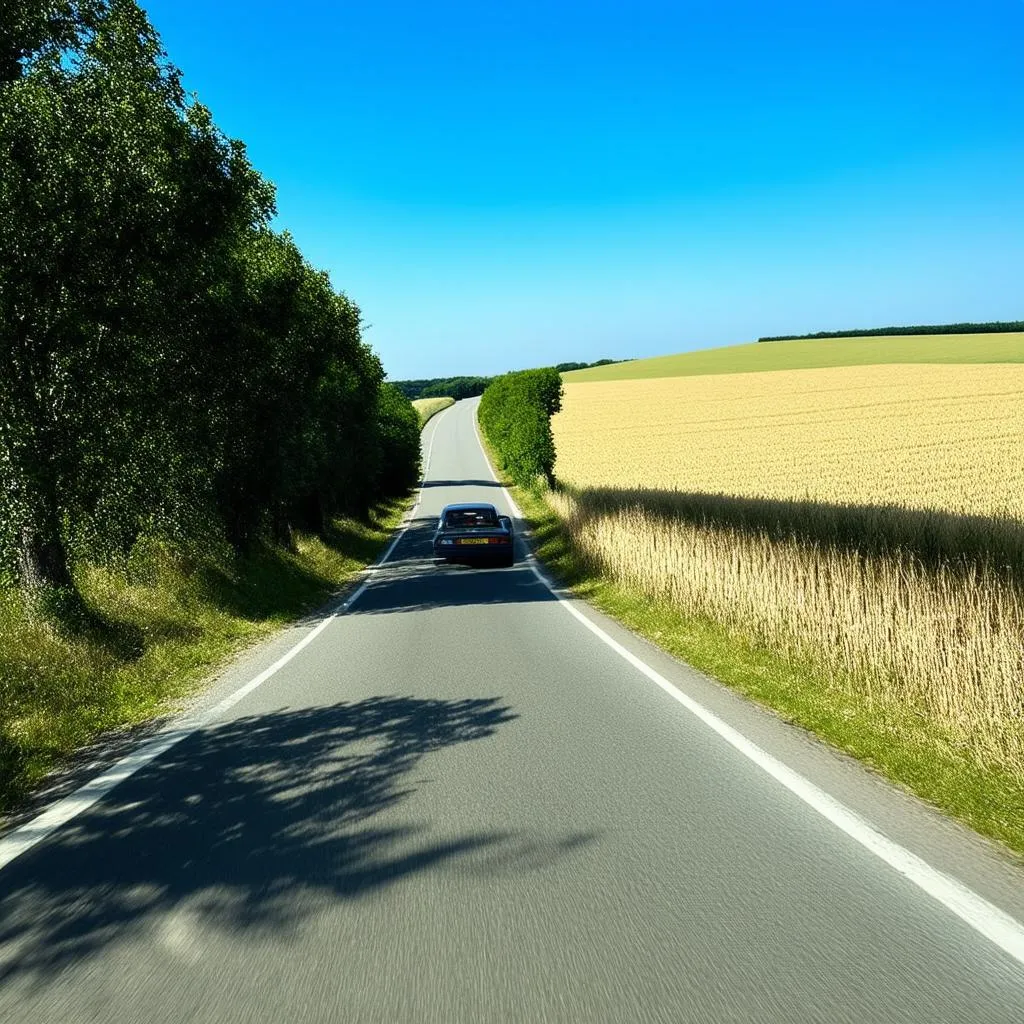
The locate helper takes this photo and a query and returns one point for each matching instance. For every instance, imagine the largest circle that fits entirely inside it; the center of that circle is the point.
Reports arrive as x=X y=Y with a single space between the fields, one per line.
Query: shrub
x=515 y=414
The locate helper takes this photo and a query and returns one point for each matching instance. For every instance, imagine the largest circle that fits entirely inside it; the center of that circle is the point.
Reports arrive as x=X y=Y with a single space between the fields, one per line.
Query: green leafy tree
x=117 y=197
x=169 y=363
x=30 y=28
x=399 y=426
x=515 y=414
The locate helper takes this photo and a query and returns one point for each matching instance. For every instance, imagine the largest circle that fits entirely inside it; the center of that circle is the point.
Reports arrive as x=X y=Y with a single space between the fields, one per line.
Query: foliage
x=515 y=414
x=170 y=365
x=995 y=327
x=399 y=425
x=31 y=28
x=566 y=367
x=456 y=388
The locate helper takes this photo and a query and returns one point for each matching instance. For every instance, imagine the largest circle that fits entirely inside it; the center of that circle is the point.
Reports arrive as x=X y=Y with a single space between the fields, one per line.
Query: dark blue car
x=474 y=532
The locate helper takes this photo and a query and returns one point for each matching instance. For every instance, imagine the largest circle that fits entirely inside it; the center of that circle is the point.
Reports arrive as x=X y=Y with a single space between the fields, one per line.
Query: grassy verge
x=427 y=407
x=155 y=626
x=914 y=751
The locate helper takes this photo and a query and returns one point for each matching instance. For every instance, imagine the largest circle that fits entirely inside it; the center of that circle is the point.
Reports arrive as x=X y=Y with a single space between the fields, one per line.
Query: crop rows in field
x=921 y=436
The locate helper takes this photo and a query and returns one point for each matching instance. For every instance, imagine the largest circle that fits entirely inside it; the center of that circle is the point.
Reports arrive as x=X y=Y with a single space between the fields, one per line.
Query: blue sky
x=501 y=185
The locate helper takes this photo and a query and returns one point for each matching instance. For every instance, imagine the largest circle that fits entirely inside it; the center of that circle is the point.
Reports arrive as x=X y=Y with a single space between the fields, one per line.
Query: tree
x=166 y=360
x=30 y=28
x=515 y=414
x=399 y=441
x=119 y=198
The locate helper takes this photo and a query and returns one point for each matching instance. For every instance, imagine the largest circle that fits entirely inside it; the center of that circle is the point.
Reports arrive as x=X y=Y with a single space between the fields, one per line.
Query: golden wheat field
x=428 y=407
x=926 y=436
x=945 y=642
x=938 y=633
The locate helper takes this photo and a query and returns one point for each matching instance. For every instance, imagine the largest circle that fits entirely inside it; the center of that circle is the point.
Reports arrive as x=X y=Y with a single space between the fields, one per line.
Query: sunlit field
x=428 y=407
x=816 y=352
x=868 y=519
x=929 y=437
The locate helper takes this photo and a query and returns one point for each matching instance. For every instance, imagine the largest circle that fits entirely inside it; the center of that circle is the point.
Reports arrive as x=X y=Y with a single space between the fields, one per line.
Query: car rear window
x=460 y=518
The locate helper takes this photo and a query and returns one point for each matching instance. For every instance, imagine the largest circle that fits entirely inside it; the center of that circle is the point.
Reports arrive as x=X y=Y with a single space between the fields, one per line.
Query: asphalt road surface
x=457 y=803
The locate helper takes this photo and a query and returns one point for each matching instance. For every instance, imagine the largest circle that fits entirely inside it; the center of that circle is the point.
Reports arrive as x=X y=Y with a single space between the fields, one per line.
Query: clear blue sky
x=500 y=185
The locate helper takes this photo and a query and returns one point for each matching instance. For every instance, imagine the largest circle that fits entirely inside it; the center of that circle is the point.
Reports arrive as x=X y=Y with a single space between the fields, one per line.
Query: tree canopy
x=169 y=362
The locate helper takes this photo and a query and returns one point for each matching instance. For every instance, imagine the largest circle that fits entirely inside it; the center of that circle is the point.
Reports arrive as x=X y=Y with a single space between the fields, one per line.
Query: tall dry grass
x=945 y=639
x=867 y=519
x=429 y=407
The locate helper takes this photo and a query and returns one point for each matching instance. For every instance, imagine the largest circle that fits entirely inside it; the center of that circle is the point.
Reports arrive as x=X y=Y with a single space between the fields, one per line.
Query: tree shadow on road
x=252 y=824
x=461 y=483
x=412 y=579
x=432 y=585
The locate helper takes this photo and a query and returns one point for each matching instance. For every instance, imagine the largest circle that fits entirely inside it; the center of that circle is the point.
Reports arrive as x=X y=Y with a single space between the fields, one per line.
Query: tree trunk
x=42 y=558
x=312 y=512
x=281 y=531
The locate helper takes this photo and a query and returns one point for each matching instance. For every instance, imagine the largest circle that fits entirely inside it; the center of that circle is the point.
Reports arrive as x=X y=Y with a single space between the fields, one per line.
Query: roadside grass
x=799 y=355
x=153 y=628
x=911 y=749
x=427 y=407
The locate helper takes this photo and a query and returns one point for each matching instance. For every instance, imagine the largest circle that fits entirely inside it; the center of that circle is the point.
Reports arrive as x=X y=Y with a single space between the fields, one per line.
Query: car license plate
x=471 y=540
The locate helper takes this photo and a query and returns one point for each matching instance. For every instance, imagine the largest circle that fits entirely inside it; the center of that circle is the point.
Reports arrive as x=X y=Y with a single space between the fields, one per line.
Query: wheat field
x=428 y=407
x=940 y=634
x=923 y=436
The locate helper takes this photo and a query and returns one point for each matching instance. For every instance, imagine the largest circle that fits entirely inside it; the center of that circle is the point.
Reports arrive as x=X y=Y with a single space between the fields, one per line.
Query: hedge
x=515 y=415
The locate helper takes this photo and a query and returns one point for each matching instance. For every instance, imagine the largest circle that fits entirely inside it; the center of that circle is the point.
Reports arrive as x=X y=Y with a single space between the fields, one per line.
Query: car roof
x=468 y=506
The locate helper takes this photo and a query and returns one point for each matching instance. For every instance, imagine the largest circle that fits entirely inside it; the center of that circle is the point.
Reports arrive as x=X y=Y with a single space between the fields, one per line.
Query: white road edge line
x=984 y=917
x=24 y=837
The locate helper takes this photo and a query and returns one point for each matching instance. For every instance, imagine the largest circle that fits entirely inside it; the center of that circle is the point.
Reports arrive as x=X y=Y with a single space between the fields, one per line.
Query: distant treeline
x=469 y=387
x=997 y=327
x=170 y=366
x=566 y=367
x=444 y=387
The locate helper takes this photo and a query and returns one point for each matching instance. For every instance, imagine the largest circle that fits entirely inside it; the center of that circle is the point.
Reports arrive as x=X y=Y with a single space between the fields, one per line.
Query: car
x=474 y=532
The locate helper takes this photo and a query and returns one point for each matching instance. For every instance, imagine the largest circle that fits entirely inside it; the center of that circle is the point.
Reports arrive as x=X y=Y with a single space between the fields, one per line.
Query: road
x=458 y=803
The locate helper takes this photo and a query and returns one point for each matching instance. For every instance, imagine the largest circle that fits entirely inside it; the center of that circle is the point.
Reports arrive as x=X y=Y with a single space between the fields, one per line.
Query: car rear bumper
x=473 y=552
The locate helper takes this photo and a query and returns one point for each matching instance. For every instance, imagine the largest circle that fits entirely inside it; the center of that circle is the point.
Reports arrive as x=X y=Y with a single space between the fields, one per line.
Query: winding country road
x=459 y=802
